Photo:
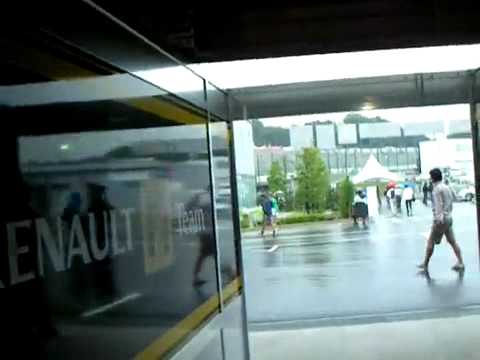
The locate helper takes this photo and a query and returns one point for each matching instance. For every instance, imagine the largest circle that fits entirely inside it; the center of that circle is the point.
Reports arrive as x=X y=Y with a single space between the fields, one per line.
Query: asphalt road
x=334 y=271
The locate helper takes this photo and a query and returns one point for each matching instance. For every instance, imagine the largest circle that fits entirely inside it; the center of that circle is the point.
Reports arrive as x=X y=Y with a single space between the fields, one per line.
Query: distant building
x=301 y=137
x=345 y=148
x=245 y=164
x=266 y=155
x=453 y=154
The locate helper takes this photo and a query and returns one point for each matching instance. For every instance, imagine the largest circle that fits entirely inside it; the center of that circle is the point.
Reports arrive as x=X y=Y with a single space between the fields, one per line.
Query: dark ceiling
x=240 y=30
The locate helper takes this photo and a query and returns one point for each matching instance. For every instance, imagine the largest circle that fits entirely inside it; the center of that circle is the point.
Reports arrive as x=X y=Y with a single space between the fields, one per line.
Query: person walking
x=387 y=201
x=425 y=193
x=393 y=207
x=442 y=206
x=398 y=199
x=408 y=196
x=275 y=213
x=268 y=216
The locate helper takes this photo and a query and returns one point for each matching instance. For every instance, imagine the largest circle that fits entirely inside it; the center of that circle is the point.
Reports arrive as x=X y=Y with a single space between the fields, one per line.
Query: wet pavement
x=331 y=271
x=439 y=339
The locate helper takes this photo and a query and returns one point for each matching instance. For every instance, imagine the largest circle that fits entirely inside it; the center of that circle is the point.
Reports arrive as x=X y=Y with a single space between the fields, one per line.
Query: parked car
x=467 y=194
x=464 y=192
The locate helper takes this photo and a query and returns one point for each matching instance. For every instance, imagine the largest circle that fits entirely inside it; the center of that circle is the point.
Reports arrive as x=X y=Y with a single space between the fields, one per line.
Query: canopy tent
x=374 y=171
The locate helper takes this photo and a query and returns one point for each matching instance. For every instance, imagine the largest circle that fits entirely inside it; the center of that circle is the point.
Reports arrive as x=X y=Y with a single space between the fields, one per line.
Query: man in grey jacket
x=442 y=205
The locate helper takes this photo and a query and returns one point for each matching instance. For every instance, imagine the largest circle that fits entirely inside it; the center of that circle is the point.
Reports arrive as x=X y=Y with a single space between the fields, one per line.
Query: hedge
x=303 y=218
x=244 y=221
x=295 y=218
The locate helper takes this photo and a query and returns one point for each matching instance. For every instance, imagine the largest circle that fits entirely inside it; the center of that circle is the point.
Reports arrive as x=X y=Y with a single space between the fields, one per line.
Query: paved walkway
x=439 y=339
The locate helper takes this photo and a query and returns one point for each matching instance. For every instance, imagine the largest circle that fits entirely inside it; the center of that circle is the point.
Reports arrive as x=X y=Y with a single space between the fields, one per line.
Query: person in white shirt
x=442 y=206
x=408 y=196
x=391 y=195
x=360 y=197
x=360 y=208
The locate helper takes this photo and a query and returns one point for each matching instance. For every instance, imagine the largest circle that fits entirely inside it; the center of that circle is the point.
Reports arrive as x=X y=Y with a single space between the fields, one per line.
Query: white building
x=301 y=137
x=325 y=136
x=245 y=163
x=455 y=154
x=244 y=148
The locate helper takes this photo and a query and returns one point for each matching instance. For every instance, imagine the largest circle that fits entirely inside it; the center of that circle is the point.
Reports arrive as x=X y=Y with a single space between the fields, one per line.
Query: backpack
x=267 y=207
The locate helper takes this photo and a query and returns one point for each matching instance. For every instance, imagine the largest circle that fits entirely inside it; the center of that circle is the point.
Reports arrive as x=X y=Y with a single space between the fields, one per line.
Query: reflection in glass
x=109 y=229
x=124 y=229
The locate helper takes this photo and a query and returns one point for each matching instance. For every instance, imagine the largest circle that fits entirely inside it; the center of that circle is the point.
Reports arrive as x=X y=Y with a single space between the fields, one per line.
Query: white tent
x=374 y=171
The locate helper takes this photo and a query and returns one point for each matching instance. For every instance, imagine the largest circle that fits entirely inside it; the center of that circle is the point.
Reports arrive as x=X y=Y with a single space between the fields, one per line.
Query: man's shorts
x=439 y=230
x=268 y=219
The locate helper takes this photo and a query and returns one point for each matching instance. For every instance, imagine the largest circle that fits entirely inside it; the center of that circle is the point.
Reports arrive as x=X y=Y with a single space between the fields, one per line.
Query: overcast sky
x=400 y=115
x=306 y=68
x=271 y=71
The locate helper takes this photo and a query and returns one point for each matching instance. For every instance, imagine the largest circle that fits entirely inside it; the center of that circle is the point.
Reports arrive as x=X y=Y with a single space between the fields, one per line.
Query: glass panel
x=217 y=102
x=235 y=326
x=478 y=124
x=476 y=142
x=109 y=241
x=235 y=332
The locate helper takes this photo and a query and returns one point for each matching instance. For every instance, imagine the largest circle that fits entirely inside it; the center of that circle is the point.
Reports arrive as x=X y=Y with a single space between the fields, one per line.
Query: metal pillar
x=396 y=157
x=474 y=121
x=285 y=169
x=407 y=159
x=236 y=218
x=315 y=139
x=355 y=166
x=337 y=156
x=211 y=175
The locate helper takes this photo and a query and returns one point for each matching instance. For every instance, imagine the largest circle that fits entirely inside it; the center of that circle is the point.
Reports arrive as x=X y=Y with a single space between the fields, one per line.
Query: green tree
x=313 y=181
x=355 y=118
x=277 y=179
x=289 y=200
x=269 y=135
x=346 y=193
x=257 y=129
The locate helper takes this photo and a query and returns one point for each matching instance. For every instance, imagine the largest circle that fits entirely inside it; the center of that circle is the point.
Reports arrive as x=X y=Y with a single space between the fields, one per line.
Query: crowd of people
x=397 y=195
x=396 y=199
x=436 y=191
